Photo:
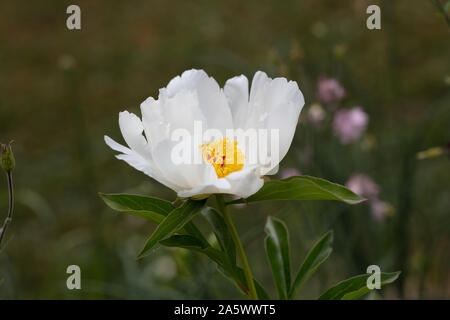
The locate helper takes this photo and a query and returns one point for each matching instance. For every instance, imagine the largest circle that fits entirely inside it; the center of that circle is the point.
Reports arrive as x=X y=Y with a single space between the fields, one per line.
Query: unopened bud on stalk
x=8 y=161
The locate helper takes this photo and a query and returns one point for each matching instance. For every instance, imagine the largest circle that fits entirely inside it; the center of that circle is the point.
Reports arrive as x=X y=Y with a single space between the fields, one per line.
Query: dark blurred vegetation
x=61 y=91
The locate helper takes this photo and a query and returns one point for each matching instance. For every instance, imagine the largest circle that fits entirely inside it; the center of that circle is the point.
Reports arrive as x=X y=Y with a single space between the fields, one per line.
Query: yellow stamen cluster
x=224 y=155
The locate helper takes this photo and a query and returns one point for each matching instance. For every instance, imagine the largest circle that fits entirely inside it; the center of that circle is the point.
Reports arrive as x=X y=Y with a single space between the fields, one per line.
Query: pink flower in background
x=330 y=90
x=363 y=185
x=380 y=209
x=349 y=124
x=289 y=172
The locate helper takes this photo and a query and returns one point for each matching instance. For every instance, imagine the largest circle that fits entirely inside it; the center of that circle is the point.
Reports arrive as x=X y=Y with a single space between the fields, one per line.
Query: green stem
x=240 y=250
x=11 y=205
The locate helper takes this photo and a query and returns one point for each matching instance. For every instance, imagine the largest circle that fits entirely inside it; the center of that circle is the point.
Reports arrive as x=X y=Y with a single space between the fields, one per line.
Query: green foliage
x=221 y=231
x=152 y=209
x=240 y=280
x=169 y=218
x=355 y=287
x=149 y=208
x=175 y=229
x=184 y=241
x=224 y=258
x=318 y=254
x=189 y=237
x=277 y=249
x=302 y=188
x=174 y=221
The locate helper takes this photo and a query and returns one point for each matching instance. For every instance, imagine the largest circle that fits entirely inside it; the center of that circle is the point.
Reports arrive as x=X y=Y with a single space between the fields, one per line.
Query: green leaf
x=302 y=188
x=221 y=231
x=217 y=256
x=192 y=243
x=183 y=241
x=238 y=277
x=157 y=210
x=355 y=287
x=277 y=248
x=260 y=291
x=174 y=221
x=152 y=209
x=231 y=272
x=318 y=254
x=192 y=230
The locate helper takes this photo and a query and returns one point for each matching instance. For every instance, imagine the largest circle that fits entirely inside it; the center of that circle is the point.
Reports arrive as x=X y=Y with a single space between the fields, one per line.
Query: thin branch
x=11 y=205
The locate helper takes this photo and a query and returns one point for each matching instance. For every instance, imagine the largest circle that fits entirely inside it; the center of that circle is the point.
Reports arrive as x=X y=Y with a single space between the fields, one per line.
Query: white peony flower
x=195 y=98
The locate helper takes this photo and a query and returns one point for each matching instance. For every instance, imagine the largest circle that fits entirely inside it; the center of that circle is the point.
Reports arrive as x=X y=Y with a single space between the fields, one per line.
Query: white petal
x=211 y=99
x=284 y=115
x=156 y=129
x=138 y=162
x=218 y=186
x=132 y=129
x=187 y=175
x=259 y=81
x=246 y=182
x=275 y=105
x=242 y=183
x=236 y=91
x=116 y=146
x=181 y=110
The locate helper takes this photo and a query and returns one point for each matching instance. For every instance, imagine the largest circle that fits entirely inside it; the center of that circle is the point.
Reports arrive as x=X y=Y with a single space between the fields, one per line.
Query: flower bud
x=8 y=161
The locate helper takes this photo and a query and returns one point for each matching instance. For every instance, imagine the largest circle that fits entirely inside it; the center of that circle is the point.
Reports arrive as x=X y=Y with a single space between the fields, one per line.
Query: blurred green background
x=61 y=91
